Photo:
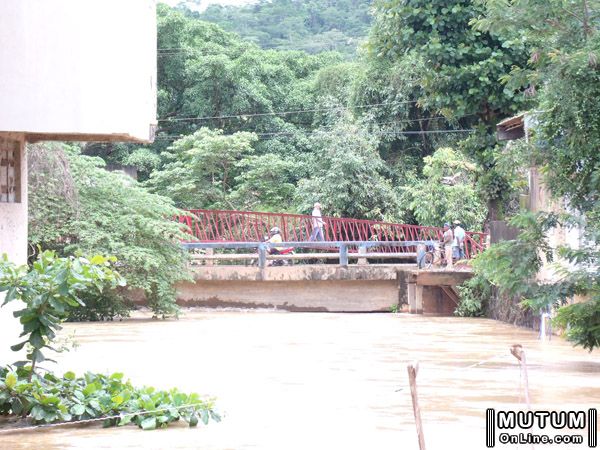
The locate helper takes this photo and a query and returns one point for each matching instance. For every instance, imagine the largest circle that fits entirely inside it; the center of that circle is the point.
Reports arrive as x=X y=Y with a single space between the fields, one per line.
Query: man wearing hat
x=459 y=238
x=447 y=240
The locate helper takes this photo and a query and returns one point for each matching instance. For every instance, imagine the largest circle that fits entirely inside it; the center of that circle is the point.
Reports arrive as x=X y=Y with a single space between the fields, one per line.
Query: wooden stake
x=518 y=352
x=413 y=369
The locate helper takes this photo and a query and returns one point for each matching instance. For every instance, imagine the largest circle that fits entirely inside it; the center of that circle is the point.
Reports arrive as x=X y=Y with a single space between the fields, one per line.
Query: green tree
x=347 y=175
x=144 y=160
x=564 y=77
x=201 y=168
x=263 y=184
x=465 y=64
x=464 y=71
x=447 y=192
x=76 y=205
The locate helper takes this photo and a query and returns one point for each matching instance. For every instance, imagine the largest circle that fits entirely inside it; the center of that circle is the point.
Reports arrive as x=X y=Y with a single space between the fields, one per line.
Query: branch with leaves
x=49 y=290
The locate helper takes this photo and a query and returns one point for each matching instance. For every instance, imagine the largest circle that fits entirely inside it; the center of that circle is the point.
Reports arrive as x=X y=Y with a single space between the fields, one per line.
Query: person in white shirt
x=317 y=224
x=447 y=241
x=459 y=238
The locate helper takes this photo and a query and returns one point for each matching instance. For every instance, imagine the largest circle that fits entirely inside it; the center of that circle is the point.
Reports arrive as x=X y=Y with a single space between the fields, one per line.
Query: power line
x=281 y=113
x=394 y=122
x=266 y=136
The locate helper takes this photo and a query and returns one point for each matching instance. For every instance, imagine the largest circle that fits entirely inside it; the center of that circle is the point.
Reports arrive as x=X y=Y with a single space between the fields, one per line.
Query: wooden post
x=518 y=352
x=413 y=369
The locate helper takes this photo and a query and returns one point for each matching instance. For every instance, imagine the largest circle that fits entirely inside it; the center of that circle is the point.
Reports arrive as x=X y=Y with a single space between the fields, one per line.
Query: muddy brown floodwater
x=321 y=381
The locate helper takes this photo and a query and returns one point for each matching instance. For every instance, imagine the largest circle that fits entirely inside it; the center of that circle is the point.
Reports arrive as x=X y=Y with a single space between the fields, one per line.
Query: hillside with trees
x=313 y=26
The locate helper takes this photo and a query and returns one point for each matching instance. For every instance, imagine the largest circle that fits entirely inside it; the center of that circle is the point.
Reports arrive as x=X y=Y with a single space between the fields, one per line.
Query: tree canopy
x=84 y=208
x=564 y=77
x=313 y=26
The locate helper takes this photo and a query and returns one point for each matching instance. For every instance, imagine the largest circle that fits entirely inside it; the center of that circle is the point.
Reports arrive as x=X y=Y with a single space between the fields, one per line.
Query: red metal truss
x=249 y=226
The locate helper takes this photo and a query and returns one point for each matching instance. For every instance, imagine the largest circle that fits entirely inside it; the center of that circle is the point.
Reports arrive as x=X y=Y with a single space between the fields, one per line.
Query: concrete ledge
x=442 y=277
x=313 y=272
x=322 y=295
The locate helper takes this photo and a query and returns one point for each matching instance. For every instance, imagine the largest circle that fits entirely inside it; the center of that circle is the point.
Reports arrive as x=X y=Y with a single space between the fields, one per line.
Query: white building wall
x=70 y=70
x=85 y=67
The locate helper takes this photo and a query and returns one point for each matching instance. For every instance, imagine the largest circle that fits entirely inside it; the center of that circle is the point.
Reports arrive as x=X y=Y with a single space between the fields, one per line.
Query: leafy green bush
x=77 y=206
x=447 y=192
x=49 y=290
x=144 y=160
x=581 y=322
x=49 y=398
x=474 y=297
x=99 y=306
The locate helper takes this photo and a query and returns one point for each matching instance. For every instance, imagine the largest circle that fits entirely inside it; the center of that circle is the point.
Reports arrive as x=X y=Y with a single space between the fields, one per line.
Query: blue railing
x=345 y=249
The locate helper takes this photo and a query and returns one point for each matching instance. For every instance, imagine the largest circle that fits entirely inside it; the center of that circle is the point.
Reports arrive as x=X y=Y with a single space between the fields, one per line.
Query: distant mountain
x=310 y=25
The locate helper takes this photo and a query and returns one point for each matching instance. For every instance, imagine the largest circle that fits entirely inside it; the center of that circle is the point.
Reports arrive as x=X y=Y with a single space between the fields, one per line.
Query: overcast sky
x=205 y=3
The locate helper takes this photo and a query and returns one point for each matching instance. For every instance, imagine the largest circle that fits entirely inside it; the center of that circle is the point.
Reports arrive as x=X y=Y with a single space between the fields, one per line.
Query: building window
x=10 y=170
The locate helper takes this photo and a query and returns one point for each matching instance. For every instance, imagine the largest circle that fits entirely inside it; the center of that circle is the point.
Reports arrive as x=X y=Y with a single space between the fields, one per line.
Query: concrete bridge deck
x=325 y=287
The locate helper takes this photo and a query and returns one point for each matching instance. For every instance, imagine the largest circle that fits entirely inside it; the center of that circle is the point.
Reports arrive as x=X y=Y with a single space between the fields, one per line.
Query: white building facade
x=70 y=70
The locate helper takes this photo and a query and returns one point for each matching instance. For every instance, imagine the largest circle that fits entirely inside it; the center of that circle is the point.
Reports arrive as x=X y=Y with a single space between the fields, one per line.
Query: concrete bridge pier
x=414 y=295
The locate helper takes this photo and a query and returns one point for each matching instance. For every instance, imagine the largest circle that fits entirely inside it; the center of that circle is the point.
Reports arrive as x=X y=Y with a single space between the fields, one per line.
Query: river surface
x=322 y=381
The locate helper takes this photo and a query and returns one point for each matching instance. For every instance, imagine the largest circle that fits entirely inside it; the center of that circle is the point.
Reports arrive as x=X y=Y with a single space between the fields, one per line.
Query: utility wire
x=266 y=136
x=392 y=122
x=283 y=113
x=395 y=122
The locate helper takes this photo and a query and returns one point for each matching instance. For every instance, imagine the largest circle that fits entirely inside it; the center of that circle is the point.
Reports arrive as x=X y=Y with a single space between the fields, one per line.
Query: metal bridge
x=249 y=226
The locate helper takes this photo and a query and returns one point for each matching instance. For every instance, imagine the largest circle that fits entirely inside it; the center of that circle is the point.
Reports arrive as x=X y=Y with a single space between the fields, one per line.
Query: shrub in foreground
x=50 y=398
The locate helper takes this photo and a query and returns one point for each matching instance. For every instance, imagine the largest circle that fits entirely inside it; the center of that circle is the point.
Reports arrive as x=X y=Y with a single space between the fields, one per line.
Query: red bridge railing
x=248 y=226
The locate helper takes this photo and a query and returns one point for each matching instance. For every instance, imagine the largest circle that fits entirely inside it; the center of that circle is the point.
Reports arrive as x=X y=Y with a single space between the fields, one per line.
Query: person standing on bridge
x=448 y=238
x=459 y=239
x=317 y=224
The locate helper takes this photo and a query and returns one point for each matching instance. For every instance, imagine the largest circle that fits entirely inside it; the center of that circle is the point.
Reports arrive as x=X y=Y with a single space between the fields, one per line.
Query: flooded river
x=322 y=381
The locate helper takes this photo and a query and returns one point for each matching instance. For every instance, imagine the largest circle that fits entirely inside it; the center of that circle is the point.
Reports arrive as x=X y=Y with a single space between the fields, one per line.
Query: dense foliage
x=475 y=294
x=313 y=26
x=48 y=291
x=446 y=192
x=78 y=206
x=347 y=174
x=564 y=75
x=464 y=67
x=201 y=168
x=50 y=398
